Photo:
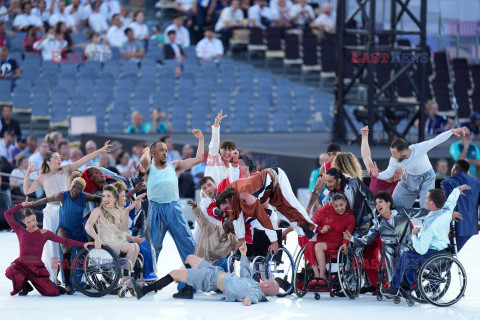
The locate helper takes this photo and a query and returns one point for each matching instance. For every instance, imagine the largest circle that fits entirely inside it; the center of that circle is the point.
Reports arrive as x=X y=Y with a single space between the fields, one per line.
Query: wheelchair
x=441 y=280
x=266 y=266
x=345 y=274
x=97 y=272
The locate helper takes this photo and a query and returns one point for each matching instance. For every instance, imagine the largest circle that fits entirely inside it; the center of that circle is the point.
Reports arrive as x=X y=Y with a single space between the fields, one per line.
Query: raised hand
x=373 y=169
x=219 y=118
x=364 y=131
x=192 y=204
x=243 y=248
x=27 y=204
x=198 y=134
x=139 y=198
x=106 y=147
x=31 y=168
x=459 y=132
x=235 y=156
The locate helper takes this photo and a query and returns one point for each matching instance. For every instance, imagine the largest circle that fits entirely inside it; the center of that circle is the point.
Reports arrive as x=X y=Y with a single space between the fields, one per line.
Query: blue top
x=473 y=153
x=466 y=205
x=162 y=185
x=71 y=211
x=243 y=287
x=132 y=129
x=436 y=227
x=437 y=125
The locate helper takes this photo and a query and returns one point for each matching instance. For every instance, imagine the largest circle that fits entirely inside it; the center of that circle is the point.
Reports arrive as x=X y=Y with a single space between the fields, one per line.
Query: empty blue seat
x=318 y=126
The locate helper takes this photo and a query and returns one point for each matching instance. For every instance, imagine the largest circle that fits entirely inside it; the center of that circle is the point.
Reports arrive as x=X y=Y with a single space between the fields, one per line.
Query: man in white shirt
x=116 y=34
x=97 y=21
x=3 y=13
x=50 y=46
x=6 y=146
x=230 y=18
x=259 y=15
x=301 y=14
x=109 y=8
x=62 y=16
x=182 y=35
x=326 y=20
x=23 y=21
x=209 y=48
x=124 y=16
x=79 y=12
x=281 y=13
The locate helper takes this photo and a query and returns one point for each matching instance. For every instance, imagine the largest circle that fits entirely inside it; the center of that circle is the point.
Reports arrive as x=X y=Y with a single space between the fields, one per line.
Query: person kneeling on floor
x=205 y=277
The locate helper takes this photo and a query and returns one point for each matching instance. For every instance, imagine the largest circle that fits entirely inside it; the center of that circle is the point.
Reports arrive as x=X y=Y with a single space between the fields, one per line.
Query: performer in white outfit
x=419 y=175
x=54 y=178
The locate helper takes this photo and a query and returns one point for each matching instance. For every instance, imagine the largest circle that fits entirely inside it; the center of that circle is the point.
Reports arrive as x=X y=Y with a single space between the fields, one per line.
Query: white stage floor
x=163 y=306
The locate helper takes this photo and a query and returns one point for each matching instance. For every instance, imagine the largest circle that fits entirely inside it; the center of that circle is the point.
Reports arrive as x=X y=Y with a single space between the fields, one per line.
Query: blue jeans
x=411 y=187
x=146 y=252
x=169 y=217
x=222 y=263
x=408 y=266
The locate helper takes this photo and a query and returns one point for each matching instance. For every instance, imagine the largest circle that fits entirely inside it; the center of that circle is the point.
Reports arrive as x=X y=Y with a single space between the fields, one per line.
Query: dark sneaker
x=364 y=290
x=25 y=290
x=392 y=291
x=185 y=293
x=138 y=290
x=306 y=228
x=282 y=283
x=69 y=290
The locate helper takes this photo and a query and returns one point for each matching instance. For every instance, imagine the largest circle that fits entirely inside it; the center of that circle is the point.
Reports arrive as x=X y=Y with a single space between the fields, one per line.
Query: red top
x=31 y=243
x=328 y=165
x=338 y=223
x=377 y=185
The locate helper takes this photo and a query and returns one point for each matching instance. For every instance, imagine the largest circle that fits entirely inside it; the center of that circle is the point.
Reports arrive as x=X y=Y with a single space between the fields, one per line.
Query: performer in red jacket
x=332 y=221
x=29 y=266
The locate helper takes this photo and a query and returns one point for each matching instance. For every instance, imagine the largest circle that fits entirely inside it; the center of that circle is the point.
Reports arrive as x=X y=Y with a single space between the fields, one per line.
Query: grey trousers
x=411 y=187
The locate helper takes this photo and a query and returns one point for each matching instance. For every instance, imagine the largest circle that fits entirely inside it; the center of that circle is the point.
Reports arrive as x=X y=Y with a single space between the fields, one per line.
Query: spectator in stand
x=54 y=138
x=63 y=33
x=79 y=12
x=137 y=125
x=186 y=185
x=473 y=125
x=23 y=21
x=140 y=29
x=6 y=146
x=434 y=123
x=44 y=12
x=281 y=14
x=463 y=149
x=91 y=147
x=98 y=49
x=49 y=45
x=3 y=13
x=18 y=175
x=301 y=14
x=260 y=15
x=209 y=48
x=31 y=147
x=109 y=8
x=62 y=16
x=75 y=155
x=30 y=39
x=104 y=162
x=5 y=40
x=187 y=8
x=21 y=146
x=275 y=4
x=64 y=151
x=36 y=159
x=125 y=16
x=322 y=159
x=172 y=50
x=172 y=154
x=159 y=124
x=215 y=10
x=182 y=37
x=116 y=34
x=132 y=49
x=125 y=166
x=137 y=152
x=327 y=20
x=97 y=21
x=441 y=169
x=230 y=18
x=8 y=67
x=8 y=123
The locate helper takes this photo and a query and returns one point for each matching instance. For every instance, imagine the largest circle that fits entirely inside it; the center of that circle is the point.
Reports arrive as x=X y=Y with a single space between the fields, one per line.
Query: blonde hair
x=348 y=164
x=75 y=174
x=81 y=181
x=120 y=186
x=107 y=212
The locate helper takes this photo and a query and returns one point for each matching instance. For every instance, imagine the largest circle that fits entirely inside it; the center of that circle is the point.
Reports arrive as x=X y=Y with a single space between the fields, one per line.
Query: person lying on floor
x=205 y=277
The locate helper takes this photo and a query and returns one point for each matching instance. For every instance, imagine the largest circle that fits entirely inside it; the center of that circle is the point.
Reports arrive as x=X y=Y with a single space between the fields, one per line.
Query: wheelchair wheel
x=350 y=268
x=302 y=275
x=281 y=266
x=96 y=272
x=384 y=277
x=442 y=280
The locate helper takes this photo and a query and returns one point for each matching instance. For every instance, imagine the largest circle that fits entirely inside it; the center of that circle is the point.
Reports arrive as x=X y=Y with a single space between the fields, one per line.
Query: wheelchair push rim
x=442 y=280
x=281 y=265
x=96 y=272
x=350 y=273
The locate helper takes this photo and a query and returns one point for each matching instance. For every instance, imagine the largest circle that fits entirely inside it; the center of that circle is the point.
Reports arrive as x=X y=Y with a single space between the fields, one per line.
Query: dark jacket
x=169 y=52
x=392 y=236
x=466 y=205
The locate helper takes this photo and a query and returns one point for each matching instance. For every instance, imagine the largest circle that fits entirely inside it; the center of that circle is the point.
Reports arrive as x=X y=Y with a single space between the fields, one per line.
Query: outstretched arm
x=11 y=221
x=365 y=149
x=214 y=146
x=429 y=144
x=388 y=173
x=55 y=198
x=35 y=185
x=182 y=165
x=77 y=164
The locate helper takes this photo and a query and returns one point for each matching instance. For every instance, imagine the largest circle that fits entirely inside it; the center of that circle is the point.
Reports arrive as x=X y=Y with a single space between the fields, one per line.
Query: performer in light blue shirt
x=431 y=238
